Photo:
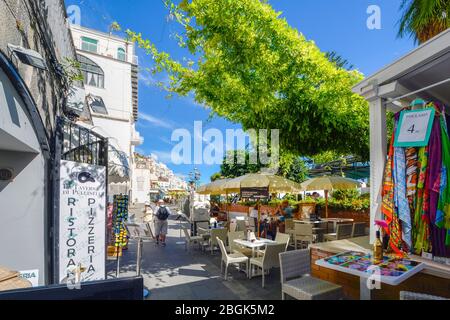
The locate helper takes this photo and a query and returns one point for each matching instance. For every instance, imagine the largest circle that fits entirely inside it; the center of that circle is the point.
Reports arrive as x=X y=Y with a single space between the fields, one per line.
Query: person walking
x=162 y=213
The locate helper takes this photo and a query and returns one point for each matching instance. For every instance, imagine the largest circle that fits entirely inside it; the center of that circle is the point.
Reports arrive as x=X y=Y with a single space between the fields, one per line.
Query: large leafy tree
x=249 y=66
x=290 y=166
x=424 y=19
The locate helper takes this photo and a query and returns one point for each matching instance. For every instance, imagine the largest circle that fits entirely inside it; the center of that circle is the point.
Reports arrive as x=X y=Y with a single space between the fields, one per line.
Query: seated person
x=284 y=211
x=215 y=210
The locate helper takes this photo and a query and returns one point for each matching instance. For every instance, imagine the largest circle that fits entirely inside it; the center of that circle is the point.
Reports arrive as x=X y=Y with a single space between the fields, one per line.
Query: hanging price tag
x=414 y=128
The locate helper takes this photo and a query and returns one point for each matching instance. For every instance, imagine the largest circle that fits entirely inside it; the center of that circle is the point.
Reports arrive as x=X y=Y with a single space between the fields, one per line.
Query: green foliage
x=345 y=194
x=424 y=19
x=290 y=166
x=72 y=71
x=235 y=168
x=349 y=200
x=253 y=68
x=216 y=176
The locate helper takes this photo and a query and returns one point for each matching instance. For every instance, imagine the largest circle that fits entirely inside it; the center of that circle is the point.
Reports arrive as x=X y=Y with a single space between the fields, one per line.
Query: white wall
x=118 y=125
x=23 y=200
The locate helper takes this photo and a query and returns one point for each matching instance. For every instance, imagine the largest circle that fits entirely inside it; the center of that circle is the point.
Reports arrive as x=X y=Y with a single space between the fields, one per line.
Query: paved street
x=172 y=273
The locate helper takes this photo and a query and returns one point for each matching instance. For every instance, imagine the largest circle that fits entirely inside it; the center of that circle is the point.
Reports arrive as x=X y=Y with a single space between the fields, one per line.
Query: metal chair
x=343 y=231
x=303 y=233
x=232 y=258
x=296 y=281
x=269 y=260
x=359 y=229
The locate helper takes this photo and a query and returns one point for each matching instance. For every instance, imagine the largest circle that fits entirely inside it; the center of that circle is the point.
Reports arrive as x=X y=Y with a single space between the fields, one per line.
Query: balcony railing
x=109 y=52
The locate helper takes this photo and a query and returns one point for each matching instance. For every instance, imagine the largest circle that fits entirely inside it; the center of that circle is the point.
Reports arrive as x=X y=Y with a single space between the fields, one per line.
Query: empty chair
x=217 y=234
x=289 y=227
x=269 y=260
x=283 y=238
x=343 y=231
x=359 y=229
x=280 y=238
x=303 y=233
x=233 y=246
x=241 y=225
x=232 y=258
x=296 y=281
x=408 y=295
x=192 y=239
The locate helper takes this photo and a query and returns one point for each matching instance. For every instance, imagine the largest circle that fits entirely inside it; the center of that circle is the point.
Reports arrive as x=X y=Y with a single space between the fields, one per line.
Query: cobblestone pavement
x=172 y=273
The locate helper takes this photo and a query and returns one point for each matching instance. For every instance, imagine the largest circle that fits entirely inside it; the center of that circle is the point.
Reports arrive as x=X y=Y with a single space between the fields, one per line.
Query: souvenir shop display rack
x=401 y=177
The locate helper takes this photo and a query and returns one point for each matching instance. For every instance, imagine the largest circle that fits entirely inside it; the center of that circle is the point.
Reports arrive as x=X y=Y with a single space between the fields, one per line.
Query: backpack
x=162 y=213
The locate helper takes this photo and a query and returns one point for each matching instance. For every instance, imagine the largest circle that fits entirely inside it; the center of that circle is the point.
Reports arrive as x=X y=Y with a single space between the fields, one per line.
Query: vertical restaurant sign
x=82 y=221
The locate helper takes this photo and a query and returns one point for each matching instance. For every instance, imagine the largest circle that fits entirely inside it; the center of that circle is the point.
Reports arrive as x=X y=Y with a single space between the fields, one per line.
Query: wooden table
x=11 y=280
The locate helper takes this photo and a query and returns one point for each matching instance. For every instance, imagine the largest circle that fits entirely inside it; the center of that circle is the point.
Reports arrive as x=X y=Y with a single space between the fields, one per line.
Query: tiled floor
x=172 y=273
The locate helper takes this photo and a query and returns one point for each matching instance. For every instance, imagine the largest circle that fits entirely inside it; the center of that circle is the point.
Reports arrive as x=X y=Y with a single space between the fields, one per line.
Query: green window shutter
x=89 y=44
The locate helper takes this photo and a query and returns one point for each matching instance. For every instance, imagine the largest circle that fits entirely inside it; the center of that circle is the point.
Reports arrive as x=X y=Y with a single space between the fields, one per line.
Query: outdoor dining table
x=391 y=270
x=258 y=243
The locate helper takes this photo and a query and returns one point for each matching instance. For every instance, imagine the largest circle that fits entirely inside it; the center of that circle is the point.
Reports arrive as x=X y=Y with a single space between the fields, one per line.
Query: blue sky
x=334 y=25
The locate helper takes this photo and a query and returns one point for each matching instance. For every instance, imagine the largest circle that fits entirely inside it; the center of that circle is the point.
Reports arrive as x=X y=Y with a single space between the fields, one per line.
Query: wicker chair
x=190 y=240
x=407 y=295
x=215 y=235
x=269 y=260
x=280 y=238
x=289 y=227
x=359 y=229
x=343 y=231
x=303 y=233
x=233 y=247
x=233 y=258
x=296 y=281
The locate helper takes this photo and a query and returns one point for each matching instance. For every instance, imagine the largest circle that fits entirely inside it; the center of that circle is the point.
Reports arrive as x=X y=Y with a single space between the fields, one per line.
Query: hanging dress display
x=416 y=190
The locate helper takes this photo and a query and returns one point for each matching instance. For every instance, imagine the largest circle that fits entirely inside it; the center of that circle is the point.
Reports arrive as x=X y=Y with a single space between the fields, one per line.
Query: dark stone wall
x=40 y=25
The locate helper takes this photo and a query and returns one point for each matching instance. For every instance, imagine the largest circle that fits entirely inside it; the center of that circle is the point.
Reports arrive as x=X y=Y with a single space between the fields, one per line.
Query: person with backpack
x=162 y=213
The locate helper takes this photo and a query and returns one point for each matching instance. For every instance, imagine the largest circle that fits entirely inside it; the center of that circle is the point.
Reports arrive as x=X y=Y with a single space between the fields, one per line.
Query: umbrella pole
x=326 y=204
x=226 y=207
x=259 y=218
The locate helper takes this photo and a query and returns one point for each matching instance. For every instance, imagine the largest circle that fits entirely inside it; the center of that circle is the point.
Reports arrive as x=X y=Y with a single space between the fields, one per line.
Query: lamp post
x=194 y=178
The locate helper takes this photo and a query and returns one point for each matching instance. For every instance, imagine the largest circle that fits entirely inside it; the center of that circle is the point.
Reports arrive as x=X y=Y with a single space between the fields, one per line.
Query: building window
x=96 y=104
x=121 y=55
x=93 y=75
x=88 y=44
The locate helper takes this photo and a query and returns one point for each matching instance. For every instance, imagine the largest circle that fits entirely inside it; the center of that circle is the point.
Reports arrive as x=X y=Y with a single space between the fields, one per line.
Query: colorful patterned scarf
x=388 y=208
x=400 y=199
x=411 y=177
x=421 y=234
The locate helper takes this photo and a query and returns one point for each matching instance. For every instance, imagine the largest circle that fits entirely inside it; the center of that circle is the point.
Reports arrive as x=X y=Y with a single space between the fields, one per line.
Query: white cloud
x=161 y=123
